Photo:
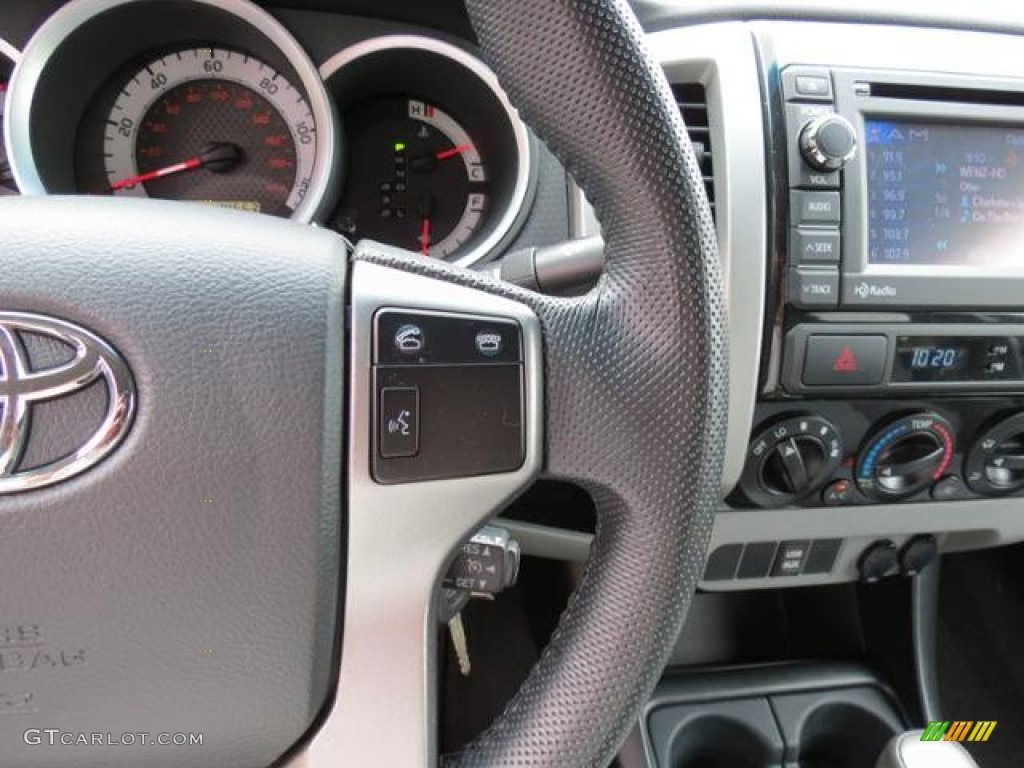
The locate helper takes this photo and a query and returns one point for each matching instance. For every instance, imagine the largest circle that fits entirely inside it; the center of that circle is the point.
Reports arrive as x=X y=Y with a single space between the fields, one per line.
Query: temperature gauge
x=416 y=178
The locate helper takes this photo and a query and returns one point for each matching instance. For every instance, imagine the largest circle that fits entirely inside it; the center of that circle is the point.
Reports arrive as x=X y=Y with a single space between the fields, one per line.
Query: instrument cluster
x=403 y=139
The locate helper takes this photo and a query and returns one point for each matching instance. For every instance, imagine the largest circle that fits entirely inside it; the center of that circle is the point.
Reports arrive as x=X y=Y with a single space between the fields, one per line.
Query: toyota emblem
x=45 y=361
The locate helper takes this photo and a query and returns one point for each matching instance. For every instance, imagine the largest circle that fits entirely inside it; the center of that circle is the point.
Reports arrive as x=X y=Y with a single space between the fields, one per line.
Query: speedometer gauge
x=210 y=125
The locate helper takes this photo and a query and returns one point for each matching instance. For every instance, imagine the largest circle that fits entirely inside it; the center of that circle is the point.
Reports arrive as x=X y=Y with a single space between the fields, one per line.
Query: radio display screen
x=941 y=194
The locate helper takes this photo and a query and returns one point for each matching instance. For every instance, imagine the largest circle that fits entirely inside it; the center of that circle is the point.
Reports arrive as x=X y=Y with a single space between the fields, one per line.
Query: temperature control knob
x=790 y=459
x=905 y=457
x=829 y=142
x=995 y=464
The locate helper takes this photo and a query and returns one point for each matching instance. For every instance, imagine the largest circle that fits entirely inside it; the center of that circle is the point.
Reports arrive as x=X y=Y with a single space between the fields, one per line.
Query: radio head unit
x=929 y=209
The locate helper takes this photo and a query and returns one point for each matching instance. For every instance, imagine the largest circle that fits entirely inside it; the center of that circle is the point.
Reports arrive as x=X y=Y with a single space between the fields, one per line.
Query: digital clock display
x=958 y=359
x=941 y=358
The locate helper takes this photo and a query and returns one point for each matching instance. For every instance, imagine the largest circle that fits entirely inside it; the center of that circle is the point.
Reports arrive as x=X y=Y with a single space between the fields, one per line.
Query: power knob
x=828 y=142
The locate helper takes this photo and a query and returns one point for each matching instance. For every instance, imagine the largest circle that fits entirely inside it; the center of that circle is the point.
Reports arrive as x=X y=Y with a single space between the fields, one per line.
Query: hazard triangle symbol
x=846 y=361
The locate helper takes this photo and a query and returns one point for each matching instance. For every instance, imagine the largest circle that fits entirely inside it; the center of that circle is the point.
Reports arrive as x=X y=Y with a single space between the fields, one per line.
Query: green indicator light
x=399 y=146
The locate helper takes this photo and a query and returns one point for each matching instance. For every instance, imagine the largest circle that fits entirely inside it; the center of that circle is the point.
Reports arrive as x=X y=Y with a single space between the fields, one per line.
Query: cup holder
x=838 y=729
x=841 y=735
x=739 y=733
x=716 y=742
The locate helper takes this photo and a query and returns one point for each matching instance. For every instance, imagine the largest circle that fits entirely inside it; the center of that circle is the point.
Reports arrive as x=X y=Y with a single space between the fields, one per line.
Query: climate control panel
x=837 y=453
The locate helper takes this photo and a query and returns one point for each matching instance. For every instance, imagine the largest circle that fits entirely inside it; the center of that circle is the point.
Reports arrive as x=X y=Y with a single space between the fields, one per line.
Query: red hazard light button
x=845 y=360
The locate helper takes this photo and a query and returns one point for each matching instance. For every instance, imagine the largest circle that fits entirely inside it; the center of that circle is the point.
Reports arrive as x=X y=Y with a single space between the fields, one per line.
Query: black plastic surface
x=739 y=733
x=969 y=418
x=843 y=728
x=470 y=421
x=722 y=563
x=822 y=557
x=447 y=340
x=819 y=716
x=757 y=560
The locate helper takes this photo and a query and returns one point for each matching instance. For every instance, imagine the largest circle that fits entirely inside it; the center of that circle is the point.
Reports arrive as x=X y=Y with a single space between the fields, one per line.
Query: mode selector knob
x=828 y=142
x=790 y=459
x=995 y=464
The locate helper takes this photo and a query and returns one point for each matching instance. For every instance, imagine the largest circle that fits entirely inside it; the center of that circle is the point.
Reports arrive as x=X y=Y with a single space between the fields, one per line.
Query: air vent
x=693 y=106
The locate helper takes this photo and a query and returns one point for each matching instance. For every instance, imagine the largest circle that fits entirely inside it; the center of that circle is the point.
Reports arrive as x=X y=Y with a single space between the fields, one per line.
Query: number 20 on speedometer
x=211 y=125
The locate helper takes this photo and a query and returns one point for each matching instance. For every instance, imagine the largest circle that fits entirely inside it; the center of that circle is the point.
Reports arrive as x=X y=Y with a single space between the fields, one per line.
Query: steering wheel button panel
x=424 y=338
x=449 y=396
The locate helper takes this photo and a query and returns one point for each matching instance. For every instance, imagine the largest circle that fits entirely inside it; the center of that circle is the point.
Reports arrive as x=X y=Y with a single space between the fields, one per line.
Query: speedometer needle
x=217 y=157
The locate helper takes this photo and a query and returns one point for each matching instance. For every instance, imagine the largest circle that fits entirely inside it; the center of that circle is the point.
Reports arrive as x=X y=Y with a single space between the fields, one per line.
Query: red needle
x=425 y=236
x=453 y=151
x=188 y=165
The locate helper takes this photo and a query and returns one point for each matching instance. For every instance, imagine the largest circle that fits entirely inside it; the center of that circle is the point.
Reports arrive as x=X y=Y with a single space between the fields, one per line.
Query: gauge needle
x=454 y=151
x=425 y=236
x=217 y=157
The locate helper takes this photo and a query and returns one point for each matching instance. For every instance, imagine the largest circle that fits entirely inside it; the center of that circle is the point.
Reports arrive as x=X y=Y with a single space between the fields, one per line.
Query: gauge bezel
x=513 y=212
x=45 y=46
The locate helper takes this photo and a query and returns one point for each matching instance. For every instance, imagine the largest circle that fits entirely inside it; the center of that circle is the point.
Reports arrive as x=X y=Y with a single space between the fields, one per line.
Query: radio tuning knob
x=828 y=142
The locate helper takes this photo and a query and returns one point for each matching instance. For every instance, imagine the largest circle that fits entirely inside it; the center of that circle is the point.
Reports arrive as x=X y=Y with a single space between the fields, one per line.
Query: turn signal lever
x=564 y=268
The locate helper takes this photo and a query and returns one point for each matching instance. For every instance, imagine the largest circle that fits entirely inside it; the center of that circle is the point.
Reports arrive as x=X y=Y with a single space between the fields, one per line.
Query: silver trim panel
x=65 y=21
x=512 y=212
x=400 y=539
x=722 y=57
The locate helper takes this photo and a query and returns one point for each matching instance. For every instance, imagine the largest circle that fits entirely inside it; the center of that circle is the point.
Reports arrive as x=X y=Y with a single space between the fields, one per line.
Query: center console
x=889 y=420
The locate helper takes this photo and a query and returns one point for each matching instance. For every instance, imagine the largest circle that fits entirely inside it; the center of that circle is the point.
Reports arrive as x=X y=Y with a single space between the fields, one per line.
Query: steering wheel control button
x=407 y=338
x=814 y=287
x=466 y=417
x=489 y=342
x=879 y=561
x=843 y=361
x=399 y=434
x=918 y=553
x=790 y=558
x=487 y=564
x=814 y=208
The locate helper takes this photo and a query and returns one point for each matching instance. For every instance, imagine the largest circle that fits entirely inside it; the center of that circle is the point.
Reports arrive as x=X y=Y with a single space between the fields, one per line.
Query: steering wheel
x=220 y=559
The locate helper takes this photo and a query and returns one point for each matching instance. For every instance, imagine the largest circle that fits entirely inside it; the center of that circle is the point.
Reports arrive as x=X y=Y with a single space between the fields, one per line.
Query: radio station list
x=945 y=194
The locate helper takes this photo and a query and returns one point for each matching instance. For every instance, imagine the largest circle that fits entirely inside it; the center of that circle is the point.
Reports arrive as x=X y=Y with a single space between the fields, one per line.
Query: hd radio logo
x=959 y=730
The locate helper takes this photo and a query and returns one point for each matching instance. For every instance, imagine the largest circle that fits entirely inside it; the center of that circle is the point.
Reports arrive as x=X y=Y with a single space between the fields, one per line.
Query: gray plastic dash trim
x=400 y=539
x=722 y=58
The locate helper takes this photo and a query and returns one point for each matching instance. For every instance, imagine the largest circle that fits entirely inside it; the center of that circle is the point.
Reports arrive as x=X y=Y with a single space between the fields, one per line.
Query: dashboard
x=403 y=136
x=866 y=179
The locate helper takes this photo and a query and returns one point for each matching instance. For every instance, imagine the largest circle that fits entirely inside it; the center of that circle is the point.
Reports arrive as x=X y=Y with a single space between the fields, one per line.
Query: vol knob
x=829 y=142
